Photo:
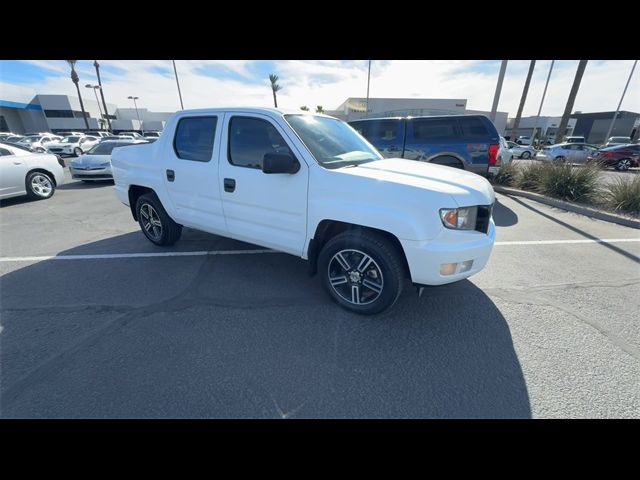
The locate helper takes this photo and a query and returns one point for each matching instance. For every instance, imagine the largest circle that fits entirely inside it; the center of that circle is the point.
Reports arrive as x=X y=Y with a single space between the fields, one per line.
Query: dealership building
x=355 y=108
x=56 y=113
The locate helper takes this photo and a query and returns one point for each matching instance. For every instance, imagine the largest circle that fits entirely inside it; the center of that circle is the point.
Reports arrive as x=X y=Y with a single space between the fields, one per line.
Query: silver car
x=521 y=151
x=26 y=173
x=96 y=163
x=567 y=152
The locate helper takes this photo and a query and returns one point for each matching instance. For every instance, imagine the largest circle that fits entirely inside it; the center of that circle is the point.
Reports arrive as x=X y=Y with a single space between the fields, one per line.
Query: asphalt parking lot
x=221 y=329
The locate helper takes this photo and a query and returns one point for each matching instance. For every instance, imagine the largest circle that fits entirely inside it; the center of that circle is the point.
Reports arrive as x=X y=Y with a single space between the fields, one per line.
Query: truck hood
x=466 y=188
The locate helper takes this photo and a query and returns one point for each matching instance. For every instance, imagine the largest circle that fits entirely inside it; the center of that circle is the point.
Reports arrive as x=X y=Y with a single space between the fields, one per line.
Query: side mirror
x=279 y=163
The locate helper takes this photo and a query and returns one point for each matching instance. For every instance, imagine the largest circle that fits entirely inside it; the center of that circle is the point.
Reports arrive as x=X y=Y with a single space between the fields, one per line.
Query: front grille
x=484 y=217
x=55 y=149
x=95 y=177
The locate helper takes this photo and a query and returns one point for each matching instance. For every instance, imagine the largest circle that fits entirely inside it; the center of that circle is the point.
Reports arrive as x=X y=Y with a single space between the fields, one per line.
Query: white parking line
x=107 y=256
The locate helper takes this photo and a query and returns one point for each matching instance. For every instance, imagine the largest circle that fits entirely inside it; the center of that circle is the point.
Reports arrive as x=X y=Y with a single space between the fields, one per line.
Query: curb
x=571 y=207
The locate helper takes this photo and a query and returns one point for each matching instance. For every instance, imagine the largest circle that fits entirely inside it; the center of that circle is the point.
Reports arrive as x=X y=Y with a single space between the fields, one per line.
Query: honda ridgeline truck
x=311 y=186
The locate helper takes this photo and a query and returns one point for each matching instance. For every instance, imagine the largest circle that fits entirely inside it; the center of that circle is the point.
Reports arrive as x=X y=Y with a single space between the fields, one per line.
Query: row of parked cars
x=33 y=164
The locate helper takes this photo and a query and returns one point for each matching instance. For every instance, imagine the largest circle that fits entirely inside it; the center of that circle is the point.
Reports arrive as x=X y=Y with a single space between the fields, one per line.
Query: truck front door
x=265 y=209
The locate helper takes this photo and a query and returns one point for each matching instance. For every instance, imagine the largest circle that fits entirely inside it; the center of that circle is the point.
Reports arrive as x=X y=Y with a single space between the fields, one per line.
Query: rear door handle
x=171 y=175
x=229 y=184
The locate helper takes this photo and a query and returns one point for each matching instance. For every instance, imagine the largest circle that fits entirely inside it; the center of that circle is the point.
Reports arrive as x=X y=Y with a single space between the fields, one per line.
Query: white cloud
x=329 y=83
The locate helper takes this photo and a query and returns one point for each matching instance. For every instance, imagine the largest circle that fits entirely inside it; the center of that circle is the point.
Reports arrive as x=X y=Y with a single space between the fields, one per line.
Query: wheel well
x=327 y=229
x=135 y=191
x=448 y=161
x=42 y=170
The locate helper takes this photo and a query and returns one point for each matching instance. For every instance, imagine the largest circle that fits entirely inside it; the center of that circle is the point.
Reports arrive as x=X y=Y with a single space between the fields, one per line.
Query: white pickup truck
x=311 y=186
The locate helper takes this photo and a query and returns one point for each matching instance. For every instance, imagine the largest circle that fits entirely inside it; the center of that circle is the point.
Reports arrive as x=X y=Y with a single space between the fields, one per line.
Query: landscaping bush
x=568 y=183
x=506 y=175
x=531 y=176
x=624 y=195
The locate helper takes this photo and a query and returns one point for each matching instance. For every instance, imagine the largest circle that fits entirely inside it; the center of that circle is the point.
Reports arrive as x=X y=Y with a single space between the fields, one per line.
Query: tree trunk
x=84 y=114
x=104 y=104
x=523 y=99
x=275 y=102
x=571 y=100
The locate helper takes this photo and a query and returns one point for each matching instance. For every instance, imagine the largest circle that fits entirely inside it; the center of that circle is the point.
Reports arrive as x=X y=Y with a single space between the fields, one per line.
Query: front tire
x=362 y=271
x=525 y=155
x=77 y=151
x=40 y=185
x=623 y=165
x=155 y=222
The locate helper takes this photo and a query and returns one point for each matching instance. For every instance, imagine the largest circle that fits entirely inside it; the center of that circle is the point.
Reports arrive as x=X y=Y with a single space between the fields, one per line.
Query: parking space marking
x=107 y=256
x=560 y=242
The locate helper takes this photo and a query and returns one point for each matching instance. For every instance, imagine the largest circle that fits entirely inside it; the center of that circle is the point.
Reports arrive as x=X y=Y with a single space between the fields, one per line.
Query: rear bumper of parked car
x=93 y=173
x=428 y=259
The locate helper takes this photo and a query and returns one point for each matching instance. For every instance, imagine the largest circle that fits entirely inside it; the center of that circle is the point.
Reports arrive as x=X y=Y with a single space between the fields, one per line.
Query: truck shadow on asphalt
x=503 y=216
x=237 y=336
x=80 y=185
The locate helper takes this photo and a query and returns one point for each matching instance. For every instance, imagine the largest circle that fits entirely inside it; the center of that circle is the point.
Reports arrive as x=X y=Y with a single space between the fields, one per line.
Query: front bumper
x=92 y=173
x=450 y=246
x=60 y=151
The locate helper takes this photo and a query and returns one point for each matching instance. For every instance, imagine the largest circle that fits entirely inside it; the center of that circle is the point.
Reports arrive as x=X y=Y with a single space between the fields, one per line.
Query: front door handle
x=171 y=175
x=229 y=184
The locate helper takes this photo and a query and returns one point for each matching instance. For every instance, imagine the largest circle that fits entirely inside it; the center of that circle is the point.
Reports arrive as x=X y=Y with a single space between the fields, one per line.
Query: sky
x=219 y=83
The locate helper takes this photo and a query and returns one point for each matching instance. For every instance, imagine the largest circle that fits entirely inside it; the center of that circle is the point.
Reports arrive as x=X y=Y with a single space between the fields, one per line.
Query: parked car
x=101 y=134
x=134 y=135
x=567 y=152
x=38 y=143
x=69 y=134
x=575 y=139
x=309 y=185
x=469 y=142
x=521 y=151
x=26 y=173
x=11 y=138
x=96 y=163
x=504 y=154
x=523 y=140
x=622 y=157
x=73 y=145
x=613 y=141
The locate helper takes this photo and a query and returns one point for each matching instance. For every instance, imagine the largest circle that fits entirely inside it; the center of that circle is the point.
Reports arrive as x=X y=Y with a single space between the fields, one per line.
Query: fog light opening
x=466 y=266
x=448 y=268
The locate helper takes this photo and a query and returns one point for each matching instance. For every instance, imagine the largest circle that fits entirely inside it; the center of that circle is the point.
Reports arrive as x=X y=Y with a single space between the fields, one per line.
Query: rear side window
x=194 y=138
x=378 y=131
x=250 y=139
x=433 y=128
x=474 y=127
x=5 y=152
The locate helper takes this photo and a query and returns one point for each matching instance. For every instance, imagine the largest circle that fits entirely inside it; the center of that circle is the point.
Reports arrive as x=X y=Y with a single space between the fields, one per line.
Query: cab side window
x=194 y=138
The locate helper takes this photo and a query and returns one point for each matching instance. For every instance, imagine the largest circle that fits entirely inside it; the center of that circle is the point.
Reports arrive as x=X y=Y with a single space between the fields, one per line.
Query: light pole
x=137 y=114
x=96 y=87
x=366 y=113
x=175 y=71
x=613 y=120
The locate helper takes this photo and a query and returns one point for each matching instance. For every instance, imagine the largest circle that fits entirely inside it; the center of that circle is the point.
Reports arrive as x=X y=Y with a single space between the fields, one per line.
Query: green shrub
x=531 y=176
x=624 y=195
x=506 y=175
x=568 y=183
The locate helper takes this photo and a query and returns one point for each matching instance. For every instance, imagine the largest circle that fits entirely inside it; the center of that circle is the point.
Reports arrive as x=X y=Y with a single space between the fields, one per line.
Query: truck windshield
x=333 y=143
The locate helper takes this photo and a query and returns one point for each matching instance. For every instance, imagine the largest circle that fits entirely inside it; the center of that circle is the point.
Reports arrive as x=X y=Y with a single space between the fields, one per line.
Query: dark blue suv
x=470 y=142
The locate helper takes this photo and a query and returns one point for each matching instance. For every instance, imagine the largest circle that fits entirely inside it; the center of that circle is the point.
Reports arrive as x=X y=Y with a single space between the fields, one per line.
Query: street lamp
x=96 y=87
x=137 y=114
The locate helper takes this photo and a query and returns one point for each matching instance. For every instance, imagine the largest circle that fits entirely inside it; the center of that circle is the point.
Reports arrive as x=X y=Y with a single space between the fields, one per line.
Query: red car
x=622 y=157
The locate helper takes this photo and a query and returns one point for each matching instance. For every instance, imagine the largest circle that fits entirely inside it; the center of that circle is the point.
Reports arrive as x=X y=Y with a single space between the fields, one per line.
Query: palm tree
x=319 y=109
x=273 y=78
x=523 y=99
x=571 y=100
x=75 y=79
x=304 y=108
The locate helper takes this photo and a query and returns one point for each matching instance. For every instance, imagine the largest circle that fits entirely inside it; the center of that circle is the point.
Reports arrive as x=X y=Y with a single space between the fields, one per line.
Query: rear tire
x=362 y=271
x=155 y=222
x=623 y=165
x=77 y=151
x=525 y=155
x=40 y=185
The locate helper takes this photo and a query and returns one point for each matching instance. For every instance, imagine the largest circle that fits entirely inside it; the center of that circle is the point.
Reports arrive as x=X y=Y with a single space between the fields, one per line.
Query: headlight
x=459 y=218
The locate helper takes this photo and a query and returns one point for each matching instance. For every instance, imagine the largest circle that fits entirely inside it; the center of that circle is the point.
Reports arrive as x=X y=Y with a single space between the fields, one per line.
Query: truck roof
x=265 y=110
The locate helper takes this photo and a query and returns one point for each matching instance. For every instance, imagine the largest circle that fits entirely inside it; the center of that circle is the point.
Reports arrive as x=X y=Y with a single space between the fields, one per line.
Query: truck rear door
x=191 y=173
